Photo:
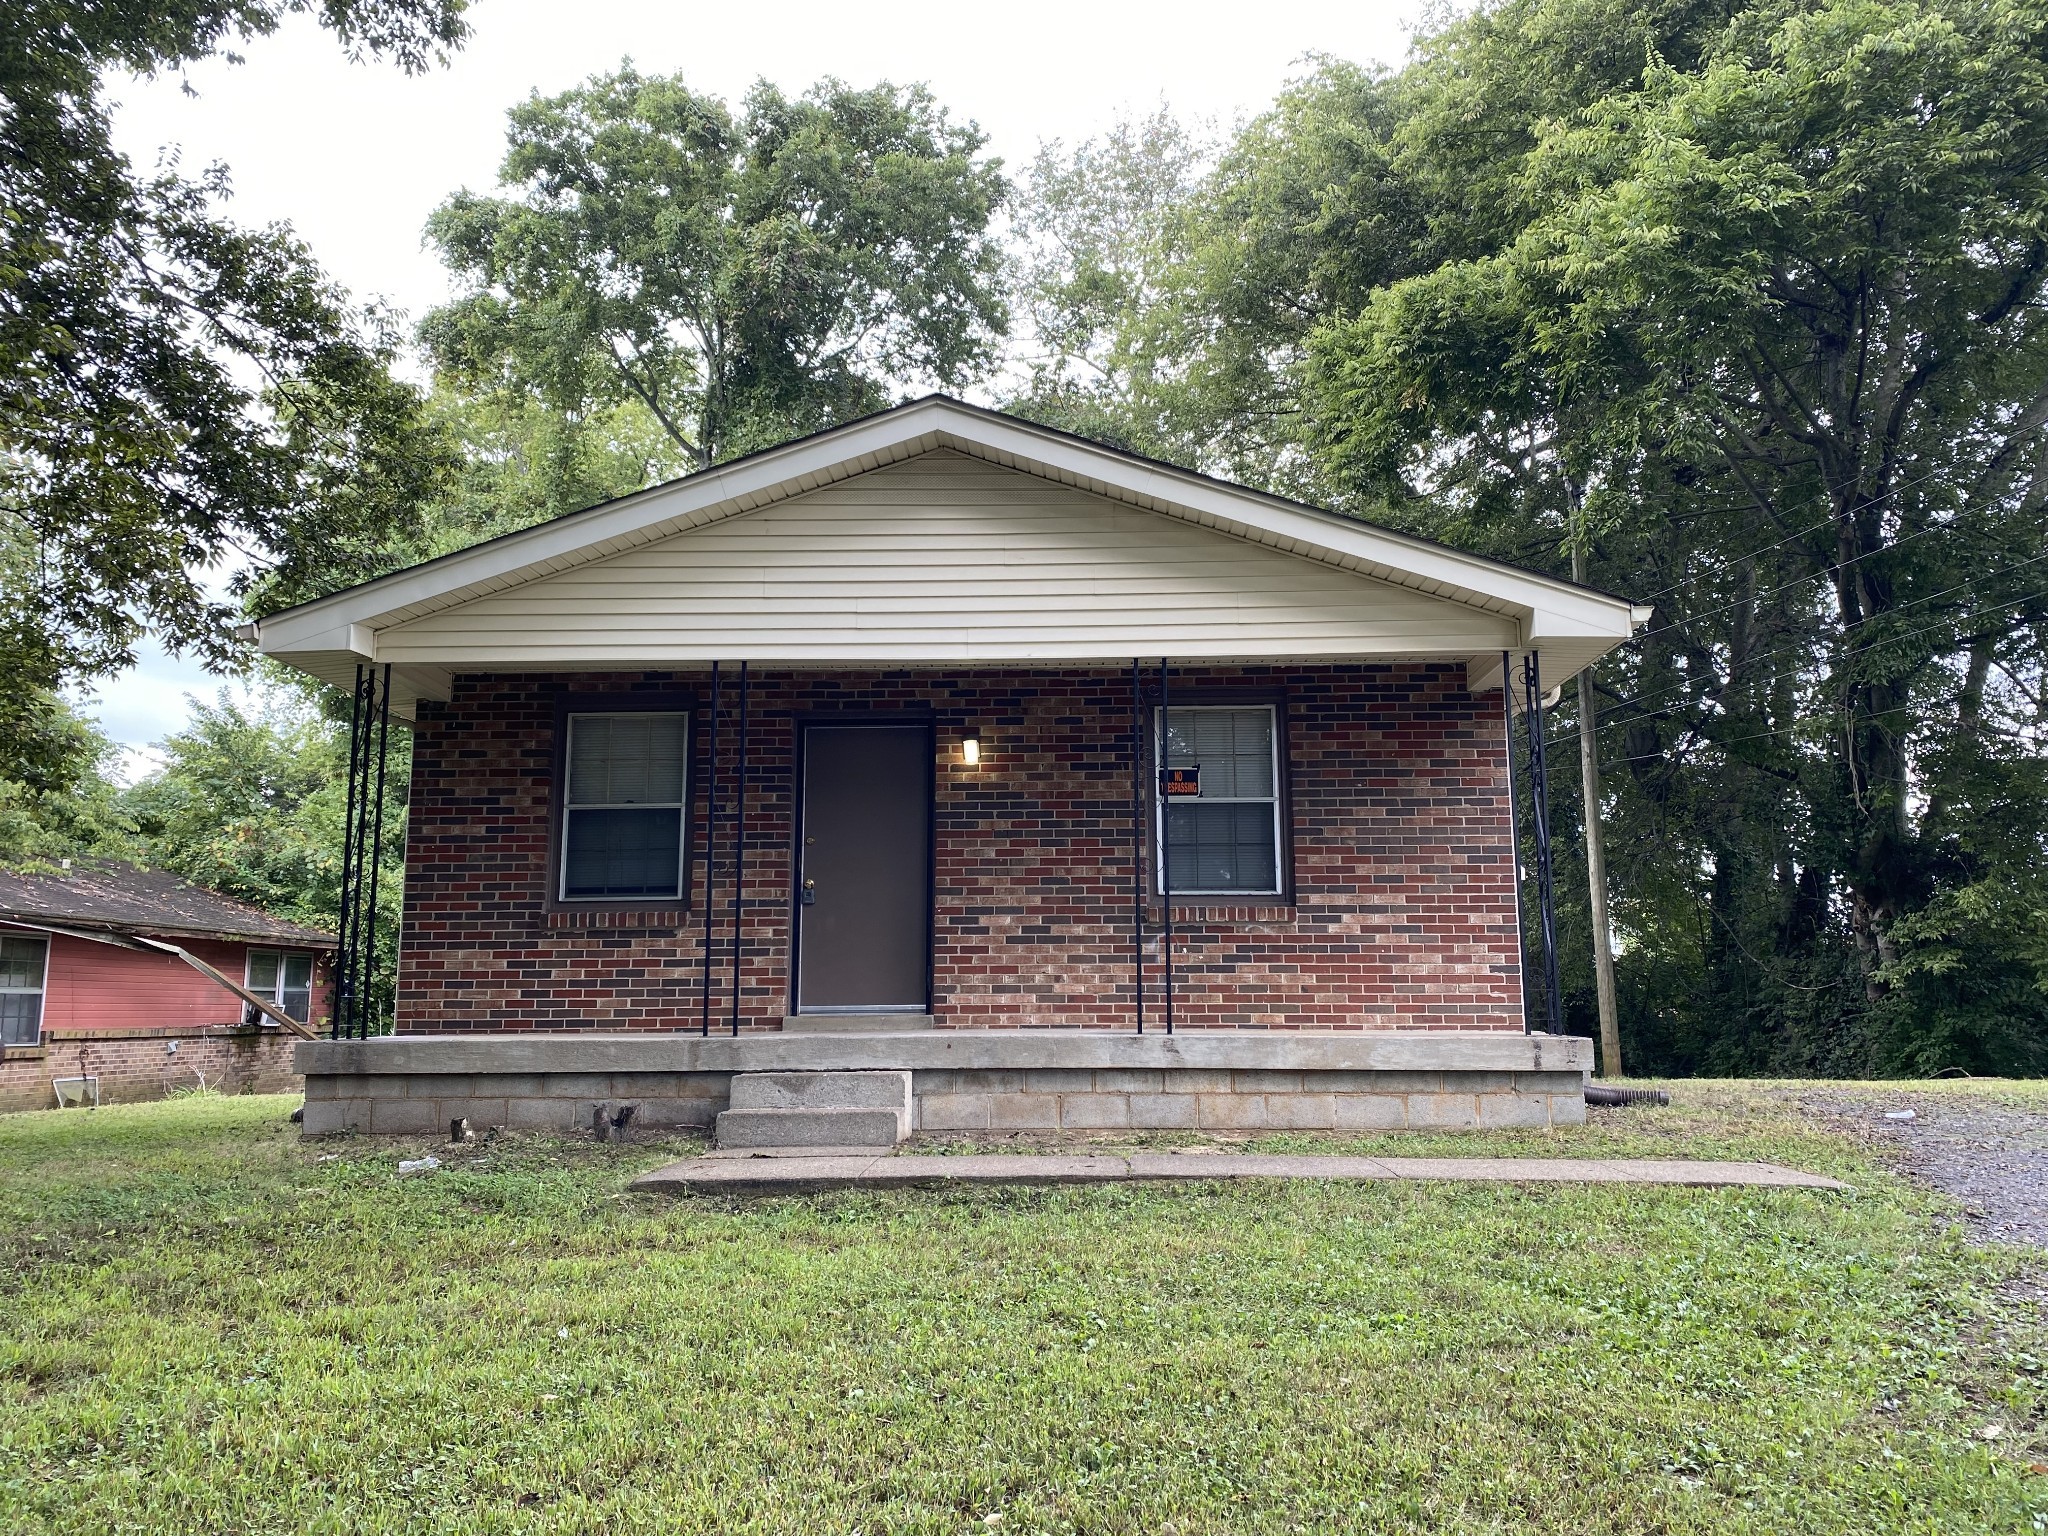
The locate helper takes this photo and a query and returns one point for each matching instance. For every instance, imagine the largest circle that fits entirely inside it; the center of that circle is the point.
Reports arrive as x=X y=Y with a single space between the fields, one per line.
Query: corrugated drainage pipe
x=1617 y=1098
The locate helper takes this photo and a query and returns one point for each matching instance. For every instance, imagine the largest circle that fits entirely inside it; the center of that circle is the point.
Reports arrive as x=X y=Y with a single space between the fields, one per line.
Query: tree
x=250 y=802
x=59 y=802
x=1172 y=285
x=237 y=805
x=1103 y=235
x=1777 y=314
x=177 y=396
x=745 y=278
x=523 y=463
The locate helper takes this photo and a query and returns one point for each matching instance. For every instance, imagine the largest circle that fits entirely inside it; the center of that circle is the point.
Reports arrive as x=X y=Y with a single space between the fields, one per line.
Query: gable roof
x=330 y=635
x=120 y=897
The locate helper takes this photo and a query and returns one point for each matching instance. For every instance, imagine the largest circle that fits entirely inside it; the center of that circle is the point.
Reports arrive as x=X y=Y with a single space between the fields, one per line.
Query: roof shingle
x=111 y=894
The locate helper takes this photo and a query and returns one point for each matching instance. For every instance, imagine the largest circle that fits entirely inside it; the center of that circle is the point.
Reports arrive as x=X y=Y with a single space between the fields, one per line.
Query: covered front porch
x=728 y=849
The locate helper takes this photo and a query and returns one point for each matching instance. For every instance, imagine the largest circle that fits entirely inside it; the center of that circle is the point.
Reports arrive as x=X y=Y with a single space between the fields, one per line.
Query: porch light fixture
x=970 y=747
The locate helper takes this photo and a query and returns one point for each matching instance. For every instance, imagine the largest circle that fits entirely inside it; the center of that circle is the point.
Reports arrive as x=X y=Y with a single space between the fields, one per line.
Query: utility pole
x=1596 y=842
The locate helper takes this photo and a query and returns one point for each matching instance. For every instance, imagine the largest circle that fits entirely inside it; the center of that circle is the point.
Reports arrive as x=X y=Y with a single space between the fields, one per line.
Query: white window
x=1224 y=841
x=622 y=809
x=24 y=969
x=283 y=978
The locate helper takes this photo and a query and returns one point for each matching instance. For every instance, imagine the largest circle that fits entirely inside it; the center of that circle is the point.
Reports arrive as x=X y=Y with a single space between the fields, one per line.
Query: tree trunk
x=1596 y=859
x=1873 y=746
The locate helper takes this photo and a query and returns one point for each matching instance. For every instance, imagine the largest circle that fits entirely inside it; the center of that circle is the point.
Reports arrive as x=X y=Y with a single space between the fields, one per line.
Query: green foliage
x=236 y=805
x=215 y=1326
x=57 y=800
x=1172 y=284
x=1103 y=237
x=249 y=802
x=745 y=278
x=1968 y=980
x=1780 y=310
x=523 y=463
x=175 y=392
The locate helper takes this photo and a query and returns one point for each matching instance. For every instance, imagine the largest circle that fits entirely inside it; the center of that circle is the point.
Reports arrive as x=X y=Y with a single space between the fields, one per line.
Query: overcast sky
x=356 y=156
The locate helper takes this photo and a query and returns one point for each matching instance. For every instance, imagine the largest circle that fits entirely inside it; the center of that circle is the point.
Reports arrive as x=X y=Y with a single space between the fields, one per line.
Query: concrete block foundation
x=993 y=1081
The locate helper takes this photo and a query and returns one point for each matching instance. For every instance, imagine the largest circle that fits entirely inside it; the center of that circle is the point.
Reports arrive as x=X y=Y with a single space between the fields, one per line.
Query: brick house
x=1071 y=785
x=144 y=983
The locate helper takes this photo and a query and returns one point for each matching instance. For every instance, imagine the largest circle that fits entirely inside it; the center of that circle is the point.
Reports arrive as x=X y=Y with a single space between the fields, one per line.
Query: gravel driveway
x=1991 y=1156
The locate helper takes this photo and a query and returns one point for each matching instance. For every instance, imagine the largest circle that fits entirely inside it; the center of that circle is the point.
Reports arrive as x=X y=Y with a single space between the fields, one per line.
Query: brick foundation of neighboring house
x=134 y=1065
x=1399 y=913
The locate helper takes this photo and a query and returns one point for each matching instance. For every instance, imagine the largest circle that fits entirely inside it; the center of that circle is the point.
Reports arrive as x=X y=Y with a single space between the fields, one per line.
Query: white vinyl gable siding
x=944 y=557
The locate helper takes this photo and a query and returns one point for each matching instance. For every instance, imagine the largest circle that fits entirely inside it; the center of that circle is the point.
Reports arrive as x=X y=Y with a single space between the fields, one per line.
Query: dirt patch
x=1993 y=1157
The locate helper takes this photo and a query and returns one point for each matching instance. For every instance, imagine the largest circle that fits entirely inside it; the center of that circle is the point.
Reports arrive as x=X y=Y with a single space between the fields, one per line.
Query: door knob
x=809 y=896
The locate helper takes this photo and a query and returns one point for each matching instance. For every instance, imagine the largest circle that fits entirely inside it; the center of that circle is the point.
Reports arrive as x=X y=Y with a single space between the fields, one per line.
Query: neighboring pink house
x=146 y=983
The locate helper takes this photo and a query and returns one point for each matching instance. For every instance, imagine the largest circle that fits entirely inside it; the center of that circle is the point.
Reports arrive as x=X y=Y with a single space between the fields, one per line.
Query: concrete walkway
x=791 y=1173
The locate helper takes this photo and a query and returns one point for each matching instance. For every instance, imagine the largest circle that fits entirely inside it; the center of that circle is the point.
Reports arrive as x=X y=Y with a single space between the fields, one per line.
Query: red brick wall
x=140 y=1065
x=1402 y=914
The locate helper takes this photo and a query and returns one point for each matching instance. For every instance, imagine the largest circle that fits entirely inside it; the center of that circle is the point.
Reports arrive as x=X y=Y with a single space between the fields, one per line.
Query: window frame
x=658 y=702
x=41 y=991
x=275 y=995
x=1281 y=893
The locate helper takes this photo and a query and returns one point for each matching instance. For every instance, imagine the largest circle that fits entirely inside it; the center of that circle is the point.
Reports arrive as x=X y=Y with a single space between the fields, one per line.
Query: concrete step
x=855 y=1023
x=813 y=1109
x=808 y=1128
x=824 y=1090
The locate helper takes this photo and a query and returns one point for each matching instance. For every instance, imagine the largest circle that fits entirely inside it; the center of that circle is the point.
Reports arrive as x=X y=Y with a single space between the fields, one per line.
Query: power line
x=1748 y=661
x=1827 y=521
x=1819 y=575
x=1875 y=645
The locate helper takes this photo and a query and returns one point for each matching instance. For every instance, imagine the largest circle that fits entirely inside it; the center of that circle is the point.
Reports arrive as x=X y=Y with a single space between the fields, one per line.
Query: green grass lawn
x=212 y=1327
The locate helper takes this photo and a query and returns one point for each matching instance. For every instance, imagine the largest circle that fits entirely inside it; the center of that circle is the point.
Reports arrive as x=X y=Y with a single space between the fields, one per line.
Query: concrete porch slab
x=927 y=1050
x=784 y=1174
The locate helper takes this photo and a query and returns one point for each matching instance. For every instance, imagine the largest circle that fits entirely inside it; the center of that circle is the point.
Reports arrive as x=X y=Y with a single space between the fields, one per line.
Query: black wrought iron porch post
x=710 y=837
x=362 y=847
x=1507 y=723
x=1165 y=842
x=338 y=1028
x=1539 y=806
x=1138 y=841
x=368 y=965
x=739 y=847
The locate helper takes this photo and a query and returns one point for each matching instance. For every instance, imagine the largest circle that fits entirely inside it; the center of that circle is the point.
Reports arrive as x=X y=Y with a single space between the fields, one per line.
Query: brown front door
x=864 y=910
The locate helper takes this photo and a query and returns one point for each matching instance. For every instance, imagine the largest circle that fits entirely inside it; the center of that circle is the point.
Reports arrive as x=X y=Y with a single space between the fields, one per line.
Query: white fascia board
x=358 y=641
x=763 y=479
x=1549 y=623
